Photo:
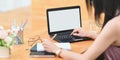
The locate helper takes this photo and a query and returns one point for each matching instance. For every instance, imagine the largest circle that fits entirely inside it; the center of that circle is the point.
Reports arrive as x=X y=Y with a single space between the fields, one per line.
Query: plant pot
x=4 y=52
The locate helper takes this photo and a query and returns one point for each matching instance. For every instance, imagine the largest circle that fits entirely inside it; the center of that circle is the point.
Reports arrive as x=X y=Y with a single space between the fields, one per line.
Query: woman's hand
x=79 y=32
x=49 y=46
x=83 y=33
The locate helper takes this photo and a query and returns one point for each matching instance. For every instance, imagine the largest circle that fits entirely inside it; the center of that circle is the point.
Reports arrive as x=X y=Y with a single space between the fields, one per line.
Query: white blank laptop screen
x=61 y=20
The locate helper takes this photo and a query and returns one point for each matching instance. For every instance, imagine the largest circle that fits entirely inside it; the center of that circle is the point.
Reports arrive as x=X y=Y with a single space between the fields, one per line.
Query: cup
x=19 y=37
x=4 y=52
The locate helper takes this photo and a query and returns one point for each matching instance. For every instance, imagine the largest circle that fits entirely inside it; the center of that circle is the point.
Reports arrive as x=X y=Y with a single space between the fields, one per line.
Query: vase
x=4 y=52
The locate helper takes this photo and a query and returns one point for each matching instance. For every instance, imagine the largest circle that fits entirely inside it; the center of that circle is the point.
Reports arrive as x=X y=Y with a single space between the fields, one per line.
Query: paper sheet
x=66 y=46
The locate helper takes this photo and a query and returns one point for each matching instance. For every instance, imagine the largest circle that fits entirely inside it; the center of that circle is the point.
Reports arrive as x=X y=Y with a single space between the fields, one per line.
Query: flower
x=6 y=38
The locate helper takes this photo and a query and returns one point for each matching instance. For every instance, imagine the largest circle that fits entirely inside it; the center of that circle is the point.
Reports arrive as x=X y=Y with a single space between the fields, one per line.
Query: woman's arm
x=102 y=42
x=106 y=38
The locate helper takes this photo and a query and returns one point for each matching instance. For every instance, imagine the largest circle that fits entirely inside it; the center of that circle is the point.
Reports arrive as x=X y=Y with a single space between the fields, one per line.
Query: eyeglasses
x=37 y=38
x=34 y=40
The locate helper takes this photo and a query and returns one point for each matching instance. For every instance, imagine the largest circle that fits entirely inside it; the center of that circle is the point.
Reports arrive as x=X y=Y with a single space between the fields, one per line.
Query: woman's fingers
x=76 y=34
x=74 y=31
x=49 y=46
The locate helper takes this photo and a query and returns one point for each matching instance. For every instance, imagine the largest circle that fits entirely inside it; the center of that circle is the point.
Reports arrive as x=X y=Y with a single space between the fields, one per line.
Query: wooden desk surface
x=37 y=25
x=21 y=52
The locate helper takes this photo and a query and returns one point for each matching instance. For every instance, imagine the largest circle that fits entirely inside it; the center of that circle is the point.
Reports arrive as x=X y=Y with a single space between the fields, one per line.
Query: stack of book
x=38 y=50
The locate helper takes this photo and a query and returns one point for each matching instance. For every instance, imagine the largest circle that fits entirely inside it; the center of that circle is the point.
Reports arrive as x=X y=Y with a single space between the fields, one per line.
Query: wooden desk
x=37 y=25
x=21 y=52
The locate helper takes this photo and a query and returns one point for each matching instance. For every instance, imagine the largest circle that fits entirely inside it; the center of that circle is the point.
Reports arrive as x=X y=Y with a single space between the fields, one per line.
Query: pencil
x=23 y=25
x=40 y=40
x=54 y=36
x=51 y=38
x=83 y=51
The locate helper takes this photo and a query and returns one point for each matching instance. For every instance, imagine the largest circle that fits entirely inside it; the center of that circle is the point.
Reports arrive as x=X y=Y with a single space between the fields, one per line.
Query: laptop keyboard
x=66 y=37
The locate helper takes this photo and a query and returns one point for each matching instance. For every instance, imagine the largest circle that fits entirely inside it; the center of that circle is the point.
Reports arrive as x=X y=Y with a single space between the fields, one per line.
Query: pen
x=51 y=38
x=40 y=40
x=54 y=36
x=15 y=24
x=23 y=25
x=83 y=51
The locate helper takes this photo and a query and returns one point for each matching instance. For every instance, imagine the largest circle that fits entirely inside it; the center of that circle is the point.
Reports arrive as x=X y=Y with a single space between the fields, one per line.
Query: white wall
x=22 y=3
x=7 y=5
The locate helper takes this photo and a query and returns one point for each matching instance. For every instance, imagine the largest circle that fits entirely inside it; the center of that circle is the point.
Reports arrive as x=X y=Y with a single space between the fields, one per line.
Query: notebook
x=34 y=52
x=62 y=21
x=38 y=50
x=39 y=46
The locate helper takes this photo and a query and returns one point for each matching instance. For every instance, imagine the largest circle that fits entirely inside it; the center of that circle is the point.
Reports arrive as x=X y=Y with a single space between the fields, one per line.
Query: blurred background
x=17 y=11
x=14 y=10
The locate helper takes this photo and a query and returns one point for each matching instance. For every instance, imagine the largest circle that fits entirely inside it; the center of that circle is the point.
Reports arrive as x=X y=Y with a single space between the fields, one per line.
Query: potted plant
x=6 y=41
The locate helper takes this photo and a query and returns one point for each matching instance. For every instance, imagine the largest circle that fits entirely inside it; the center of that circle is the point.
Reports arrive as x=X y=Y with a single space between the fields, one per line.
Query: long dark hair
x=111 y=8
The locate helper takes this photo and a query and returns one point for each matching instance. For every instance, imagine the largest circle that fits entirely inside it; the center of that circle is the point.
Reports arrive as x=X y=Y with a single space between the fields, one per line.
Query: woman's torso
x=112 y=53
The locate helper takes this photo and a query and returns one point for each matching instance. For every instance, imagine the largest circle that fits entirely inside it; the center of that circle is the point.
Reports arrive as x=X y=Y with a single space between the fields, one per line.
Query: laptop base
x=71 y=38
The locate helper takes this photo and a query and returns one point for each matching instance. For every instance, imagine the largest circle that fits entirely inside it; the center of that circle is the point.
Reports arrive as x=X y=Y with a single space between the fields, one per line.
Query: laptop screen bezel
x=62 y=8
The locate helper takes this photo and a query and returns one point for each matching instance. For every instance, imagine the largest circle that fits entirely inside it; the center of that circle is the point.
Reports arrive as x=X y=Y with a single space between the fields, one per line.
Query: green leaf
x=12 y=42
x=4 y=44
x=0 y=42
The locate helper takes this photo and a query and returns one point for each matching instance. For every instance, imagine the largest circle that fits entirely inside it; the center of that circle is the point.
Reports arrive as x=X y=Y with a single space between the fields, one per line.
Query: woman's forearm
x=92 y=35
x=68 y=55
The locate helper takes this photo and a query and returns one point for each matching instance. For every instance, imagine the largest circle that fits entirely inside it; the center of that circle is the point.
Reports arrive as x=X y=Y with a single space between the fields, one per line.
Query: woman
x=105 y=43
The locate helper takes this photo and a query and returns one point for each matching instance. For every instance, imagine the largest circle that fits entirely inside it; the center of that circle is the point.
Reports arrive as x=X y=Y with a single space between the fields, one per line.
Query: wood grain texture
x=37 y=25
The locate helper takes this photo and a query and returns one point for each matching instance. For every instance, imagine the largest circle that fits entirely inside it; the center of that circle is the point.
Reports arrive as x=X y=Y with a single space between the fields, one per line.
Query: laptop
x=62 y=21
